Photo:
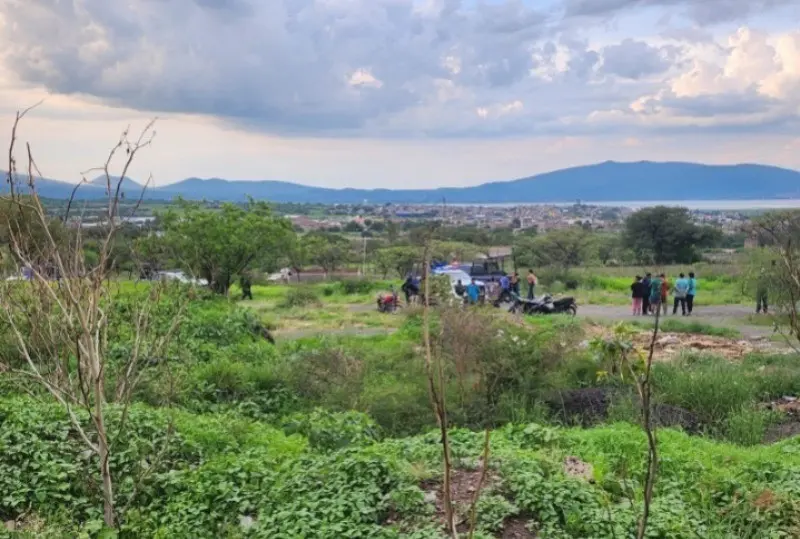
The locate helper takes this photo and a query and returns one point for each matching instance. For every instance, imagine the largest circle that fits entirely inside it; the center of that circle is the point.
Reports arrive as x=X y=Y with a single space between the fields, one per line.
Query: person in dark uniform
x=244 y=282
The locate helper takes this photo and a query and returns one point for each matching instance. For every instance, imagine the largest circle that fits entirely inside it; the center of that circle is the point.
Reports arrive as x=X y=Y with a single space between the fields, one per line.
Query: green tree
x=664 y=235
x=775 y=268
x=567 y=248
x=607 y=247
x=328 y=251
x=150 y=252
x=219 y=245
x=400 y=259
x=352 y=227
x=21 y=222
x=298 y=256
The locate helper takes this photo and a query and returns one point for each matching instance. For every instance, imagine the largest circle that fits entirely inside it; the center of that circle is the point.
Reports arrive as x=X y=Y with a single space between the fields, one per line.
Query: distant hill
x=606 y=181
x=93 y=189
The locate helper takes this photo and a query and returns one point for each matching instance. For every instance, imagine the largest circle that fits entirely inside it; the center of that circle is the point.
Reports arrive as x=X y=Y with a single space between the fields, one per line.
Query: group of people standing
x=650 y=294
x=510 y=286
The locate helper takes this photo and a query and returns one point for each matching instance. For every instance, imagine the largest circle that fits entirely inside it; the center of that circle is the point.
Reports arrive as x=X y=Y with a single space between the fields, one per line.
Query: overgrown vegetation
x=236 y=436
x=153 y=410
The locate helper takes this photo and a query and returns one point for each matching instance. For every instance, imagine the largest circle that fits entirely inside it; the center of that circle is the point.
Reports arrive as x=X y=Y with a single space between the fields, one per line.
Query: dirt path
x=293 y=334
x=730 y=316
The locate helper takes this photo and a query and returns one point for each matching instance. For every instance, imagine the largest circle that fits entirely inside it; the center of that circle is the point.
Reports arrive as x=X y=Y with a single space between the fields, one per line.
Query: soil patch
x=669 y=345
x=464 y=485
x=790 y=426
x=782 y=431
x=517 y=528
x=590 y=406
x=575 y=467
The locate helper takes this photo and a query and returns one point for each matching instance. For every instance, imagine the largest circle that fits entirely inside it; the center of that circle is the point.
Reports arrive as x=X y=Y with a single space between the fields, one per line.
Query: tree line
x=221 y=243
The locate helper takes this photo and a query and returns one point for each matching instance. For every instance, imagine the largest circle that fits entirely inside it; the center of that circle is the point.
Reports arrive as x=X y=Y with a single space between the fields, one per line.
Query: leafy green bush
x=329 y=431
x=352 y=287
x=300 y=297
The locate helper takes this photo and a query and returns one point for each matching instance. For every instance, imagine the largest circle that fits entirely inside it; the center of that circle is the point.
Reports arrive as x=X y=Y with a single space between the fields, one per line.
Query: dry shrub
x=463 y=339
x=328 y=375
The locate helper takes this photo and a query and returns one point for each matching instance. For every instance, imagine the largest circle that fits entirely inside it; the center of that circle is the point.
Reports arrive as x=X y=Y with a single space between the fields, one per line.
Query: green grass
x=717 y=285
x=674 y=325
x=717 y=390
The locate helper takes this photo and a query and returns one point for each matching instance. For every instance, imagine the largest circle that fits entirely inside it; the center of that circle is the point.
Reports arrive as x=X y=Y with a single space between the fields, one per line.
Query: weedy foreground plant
x=60 y=316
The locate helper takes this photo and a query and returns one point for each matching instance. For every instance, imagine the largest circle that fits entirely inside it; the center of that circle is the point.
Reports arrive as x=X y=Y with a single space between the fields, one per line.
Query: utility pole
x=364 y=260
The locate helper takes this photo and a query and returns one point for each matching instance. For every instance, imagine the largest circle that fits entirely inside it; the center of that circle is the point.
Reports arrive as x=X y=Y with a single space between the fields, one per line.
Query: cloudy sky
x=401 y=93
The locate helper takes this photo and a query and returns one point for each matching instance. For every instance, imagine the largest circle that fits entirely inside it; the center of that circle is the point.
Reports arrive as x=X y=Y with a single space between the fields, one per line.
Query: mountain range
x=608 y=181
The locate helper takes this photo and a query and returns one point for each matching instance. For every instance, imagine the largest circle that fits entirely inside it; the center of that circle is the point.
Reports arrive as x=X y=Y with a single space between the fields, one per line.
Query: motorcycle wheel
x=573 y=309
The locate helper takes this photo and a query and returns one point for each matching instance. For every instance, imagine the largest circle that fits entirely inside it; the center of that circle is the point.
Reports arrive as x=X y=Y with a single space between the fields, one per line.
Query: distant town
x=542 y=217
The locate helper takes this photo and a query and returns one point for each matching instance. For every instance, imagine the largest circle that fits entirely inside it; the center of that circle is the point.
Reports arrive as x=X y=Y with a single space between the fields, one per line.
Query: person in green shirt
x=655 y=293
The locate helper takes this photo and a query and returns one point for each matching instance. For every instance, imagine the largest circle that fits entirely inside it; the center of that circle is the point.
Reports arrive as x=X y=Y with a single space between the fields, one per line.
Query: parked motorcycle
x=388 y=303
x=544 y=305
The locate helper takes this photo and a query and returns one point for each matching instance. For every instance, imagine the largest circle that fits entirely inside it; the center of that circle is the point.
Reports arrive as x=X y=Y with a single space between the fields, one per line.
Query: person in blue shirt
x=680 y=290
x=473 y=292
x=691 y=293
x=505 y=290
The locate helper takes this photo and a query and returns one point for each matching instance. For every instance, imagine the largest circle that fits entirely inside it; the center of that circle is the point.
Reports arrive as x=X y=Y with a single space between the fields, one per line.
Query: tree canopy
x=327 y=250
x=665 y=235
x=567 y=248
x=218 y=245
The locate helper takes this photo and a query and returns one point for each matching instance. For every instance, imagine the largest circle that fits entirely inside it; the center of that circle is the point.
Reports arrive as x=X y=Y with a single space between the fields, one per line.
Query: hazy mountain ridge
x=606 y=181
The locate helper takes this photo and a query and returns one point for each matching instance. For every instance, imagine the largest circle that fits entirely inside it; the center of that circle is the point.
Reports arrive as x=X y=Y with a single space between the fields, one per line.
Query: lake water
x=774 y=204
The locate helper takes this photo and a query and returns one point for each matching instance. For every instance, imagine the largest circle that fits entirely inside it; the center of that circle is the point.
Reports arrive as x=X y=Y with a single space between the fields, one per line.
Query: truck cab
x=488 y=270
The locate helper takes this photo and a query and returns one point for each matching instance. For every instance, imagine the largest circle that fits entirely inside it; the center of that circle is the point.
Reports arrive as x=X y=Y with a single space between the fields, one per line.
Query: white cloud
x=754 y=83
x=404 y=70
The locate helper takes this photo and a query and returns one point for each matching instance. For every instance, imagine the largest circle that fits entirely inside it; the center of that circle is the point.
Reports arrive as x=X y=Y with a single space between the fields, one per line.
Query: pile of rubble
x=788 y=405
x=669 y=345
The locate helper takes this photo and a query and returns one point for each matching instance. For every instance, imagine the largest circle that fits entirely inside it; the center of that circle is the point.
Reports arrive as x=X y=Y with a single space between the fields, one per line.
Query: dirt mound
x=669 y=345
x=589 y=406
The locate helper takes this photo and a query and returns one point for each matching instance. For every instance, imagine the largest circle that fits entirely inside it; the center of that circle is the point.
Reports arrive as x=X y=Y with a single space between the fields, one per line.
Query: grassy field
x=716 y=285
x=332 y=435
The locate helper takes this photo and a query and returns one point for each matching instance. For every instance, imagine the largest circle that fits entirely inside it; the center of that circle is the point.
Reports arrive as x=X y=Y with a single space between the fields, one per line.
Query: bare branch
x=60 y=331
x=645 y=390
x=473 y=510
